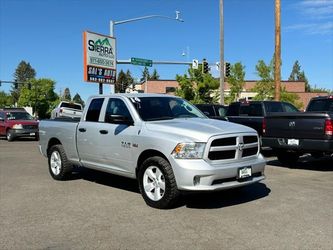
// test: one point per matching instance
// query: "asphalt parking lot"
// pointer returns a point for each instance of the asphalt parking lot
(291, 209)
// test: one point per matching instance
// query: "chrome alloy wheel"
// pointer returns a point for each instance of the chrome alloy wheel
(154, 183)
(55, 162)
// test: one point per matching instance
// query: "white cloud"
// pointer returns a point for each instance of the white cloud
(320, 14)
(317, 9)
(313, 28)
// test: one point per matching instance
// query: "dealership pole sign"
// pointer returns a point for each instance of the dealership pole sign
(99, 58)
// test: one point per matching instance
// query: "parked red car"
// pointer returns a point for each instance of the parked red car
(16, 123)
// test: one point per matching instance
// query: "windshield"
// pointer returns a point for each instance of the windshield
(164, 108)
(19, 116)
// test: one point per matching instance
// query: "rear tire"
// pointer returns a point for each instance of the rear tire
(287, 158)
(157, 183)
(60, 167)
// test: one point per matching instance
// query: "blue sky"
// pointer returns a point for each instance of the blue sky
(48, 34)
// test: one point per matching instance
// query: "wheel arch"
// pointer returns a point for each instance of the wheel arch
(147, 154)
(53, 141)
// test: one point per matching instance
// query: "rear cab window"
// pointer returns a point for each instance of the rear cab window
(233, 109)
(70, 105)
(321, 105)
(272, 107)
(207, 109)
(289, 108)
(94, 110)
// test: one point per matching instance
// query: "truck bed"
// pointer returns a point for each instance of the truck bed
(62, 129)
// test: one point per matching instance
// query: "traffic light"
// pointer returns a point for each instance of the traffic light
(205, 66)
(227, 69)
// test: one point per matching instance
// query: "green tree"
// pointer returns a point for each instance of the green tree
(154, 76)
(77, 99)
(40, 96)
(265, 86)
(23, 73)
(294, 75)
(129, 77)
(6, 100)
(290, 97)
(67, 95)
(121, 81)
(298, 75)
(236, 80)
(145, 75)
(197, 87)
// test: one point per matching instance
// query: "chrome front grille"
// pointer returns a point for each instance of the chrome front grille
(233, 147)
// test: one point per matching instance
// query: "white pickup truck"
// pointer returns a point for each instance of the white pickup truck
(163, 141)
(67, 109)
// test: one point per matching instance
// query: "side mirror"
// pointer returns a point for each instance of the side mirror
(120, 119)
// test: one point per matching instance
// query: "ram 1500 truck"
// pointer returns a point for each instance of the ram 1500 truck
(252, 113)
(294, 134)
(163, 141)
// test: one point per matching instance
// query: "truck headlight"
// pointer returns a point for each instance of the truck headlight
(17, 126)
(192, 150)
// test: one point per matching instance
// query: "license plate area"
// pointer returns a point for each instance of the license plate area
(32, 134)
(244, 172)
(293, 142)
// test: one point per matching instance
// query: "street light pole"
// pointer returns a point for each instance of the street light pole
(113, 23)
(221, 54)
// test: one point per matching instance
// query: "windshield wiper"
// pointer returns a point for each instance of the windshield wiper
(160, 118)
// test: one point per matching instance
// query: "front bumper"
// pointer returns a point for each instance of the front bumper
(24, 132)
(215, 177)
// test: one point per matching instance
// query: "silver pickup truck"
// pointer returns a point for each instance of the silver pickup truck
(163, 141)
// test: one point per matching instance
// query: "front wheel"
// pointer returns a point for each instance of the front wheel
(60, 167)
(9, 135)
(157, 183)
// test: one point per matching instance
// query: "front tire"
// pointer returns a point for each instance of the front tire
(157, 183)
(9, 135)
(60, 167)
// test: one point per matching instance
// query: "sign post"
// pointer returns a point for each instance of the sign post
(99, 59)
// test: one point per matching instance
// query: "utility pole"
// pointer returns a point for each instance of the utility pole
(221, 54)
(277, 68)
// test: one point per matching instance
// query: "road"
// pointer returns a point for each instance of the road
(291, 209)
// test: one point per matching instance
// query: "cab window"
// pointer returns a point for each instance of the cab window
(94, 110)
(116, 107)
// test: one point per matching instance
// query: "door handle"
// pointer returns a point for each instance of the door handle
(82, 130)
(103, 132)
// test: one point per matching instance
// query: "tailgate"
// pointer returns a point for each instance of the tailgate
(297, 126)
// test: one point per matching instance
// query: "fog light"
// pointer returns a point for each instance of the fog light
(196, 180)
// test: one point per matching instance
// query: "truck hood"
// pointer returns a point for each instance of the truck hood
(23, 122)
(197, 129)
